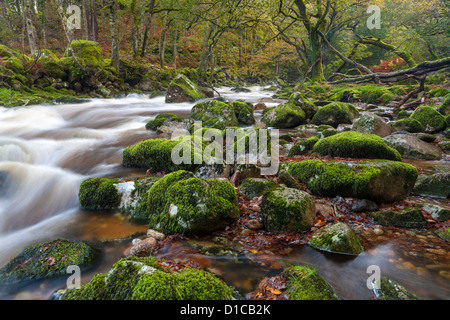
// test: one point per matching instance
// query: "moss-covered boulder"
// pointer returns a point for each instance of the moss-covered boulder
(335, 113)
(407, 124)
(90, 52)
(444, 234)
(159, 120)
(256, 187)
(146, 278)
(336, 237)
(284, 116)
(444, 107)
(412, 147)
(387, 289)
(439, 213)
(408, 218)
(183, 203)
(371, 123)
(380, 181)
(356, 145)
(303, 283)
(287, 210)
(99, 194)
(430, 118)
(244, 112)
(302, 147)
(300, 100)
(181, 89)
(215, 114)
(436, 185)
(47, 260)
(156, 155)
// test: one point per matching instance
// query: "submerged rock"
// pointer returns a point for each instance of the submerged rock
(387, 289)
(287, 210)
(408, 218)
(336, 237)
(356, 145)
(381, 181)
(412, 147)
(145, 278)
(47, 260)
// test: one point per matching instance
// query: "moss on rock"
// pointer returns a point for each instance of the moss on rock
(336, 237)
(287, 210)
(159, 120)
(181, 89)
(335, 113)
(47, 260)
(407, 124)
(182, 203)
(380, 181)
(99, 194)
(431, 120)
(284, 116)
(303, 146)
(215, 114)
(244, 112)
(256, 187)
(408, 218)
(387, 289)
(303, 283)
(356, 145)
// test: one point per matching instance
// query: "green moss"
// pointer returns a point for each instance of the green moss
(431, 120)
(244, 112)
(303, 146)
(444, 234)
(215, 114)
(156, 155)
(284, 116)
(52, 69)
(439, 92)
(356, 145)
(304, 103)
(383, 181)
(303, 283)
(47, 260)
(334, 114)
(408, 124)
(182, 203)
(255, 187)
(89, 51)
(159, 120)
(99, 194)
(368, 94)
(387, 289)
(15, 64)
(336, 237)
(287, 210)
(444, 107)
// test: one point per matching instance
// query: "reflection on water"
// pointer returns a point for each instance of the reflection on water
(47, 151)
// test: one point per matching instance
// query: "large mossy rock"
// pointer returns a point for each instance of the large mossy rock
(181, 89)
(287, 210)
(431, 120)
(303, 146)
(256, 187)
(412, 147)
(284, 116)
(372, 123)
(407, 124)
(335, 113)
(407, 218)
(387, 289)
(353, 144)
(145, 278)
(444, 107)
(183, 203)
(156, 155)
(336, 237)
(159, 120)
(215, 114)
(89, 51)
(378, 180)
(436, 185)
(300, 100)
(99, 194)
(303, 283)
(47, 260)
(244, 112)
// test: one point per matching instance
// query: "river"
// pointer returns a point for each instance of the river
(46, 151)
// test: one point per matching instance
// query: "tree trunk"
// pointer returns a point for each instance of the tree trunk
(162, 42)
(203, 64)
(5, 15)
(84, 20)
(31, 31)
(148, 24)
(115, 59)
(94, 20)
(134, 29)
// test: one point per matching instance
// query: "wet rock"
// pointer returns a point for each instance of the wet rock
(244, 112)
(427, 137)
(409, 218)
(286, 179)
(336, 237)
(335, 113)
(379, 181)
(181, 89)
(371, 123)
(249, 170)
(47, 260)
(444, 234)
(387, 289)
(436, 185)
(254, 224)
(412, 147)
(302, 147)
(236, 179)
(437, 212)
(444, 145)
(284, 116)
(300, 100)
(142, 248)
(287, 210)
(155, 234)
(259, 106)
(215, 114)
(255, 187)
(364, 206)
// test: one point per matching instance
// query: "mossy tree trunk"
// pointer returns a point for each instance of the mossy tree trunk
(115, 59)
(31, 30)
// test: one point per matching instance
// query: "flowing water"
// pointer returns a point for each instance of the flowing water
(47, 151)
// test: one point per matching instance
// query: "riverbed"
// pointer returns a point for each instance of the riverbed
(47, 151)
